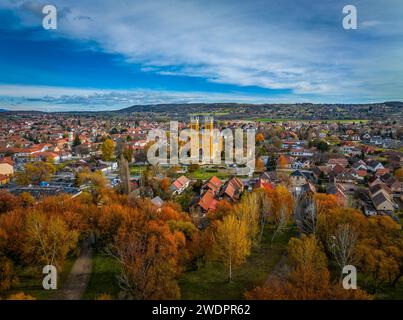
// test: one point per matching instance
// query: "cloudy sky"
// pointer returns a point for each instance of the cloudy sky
(113, 54)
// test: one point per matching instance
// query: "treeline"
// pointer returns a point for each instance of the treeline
(153, 245)
(333, 237)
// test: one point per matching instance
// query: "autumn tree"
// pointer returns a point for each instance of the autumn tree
(223, 209)
(108, 150)
(8, 201)
(97, 182)
(165, 184)
(20, 296)
(231, 242)
(259, 138)
(147, 252)
(247, 210)
(304, 277)
(380, 252)
(259, 165)
(7, 275)
(35, 172)
(399, 174)
(26, 199)
(48, 239)
(282, 209)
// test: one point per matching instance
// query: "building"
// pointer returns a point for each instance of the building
(180, 185)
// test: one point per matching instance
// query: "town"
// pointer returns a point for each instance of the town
(302, 165)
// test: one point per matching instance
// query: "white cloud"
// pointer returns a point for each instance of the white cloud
(270, 44)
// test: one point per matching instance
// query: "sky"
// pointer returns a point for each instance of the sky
(107, 55)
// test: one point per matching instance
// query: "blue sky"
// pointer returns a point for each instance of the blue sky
(113, 54)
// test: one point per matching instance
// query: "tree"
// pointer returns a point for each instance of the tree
(147, 252)
(35, 172)
(76, 141)
(342, 245)
(306, 215)
(307, 276)
(282, 162)
(124, 173)
(322, 146)
(259, 165)
(108, 150)
(7, 275)
(8, 201)
(20, 296)
(26, 200)
(231, 242)
(193, 167)
(259, 138)
(282, 209)
(165, 184)
(399, 174)
(379, 252)
(48, 239)
(97, 181)
(247, 210)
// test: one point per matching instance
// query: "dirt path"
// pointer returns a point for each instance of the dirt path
(278, 270)
(77, 281)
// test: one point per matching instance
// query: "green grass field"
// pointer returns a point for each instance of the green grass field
(30, 281)
(210, 282)
(136, 170)
(103, 278)
(204, 174)
(346, 121)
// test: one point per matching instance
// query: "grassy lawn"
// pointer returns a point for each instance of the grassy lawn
(210, 282)
(389, 293)
(136, 170)
(103, 278)
(30, 281)
(204, 174)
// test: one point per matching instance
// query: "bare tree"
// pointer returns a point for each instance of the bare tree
(342, 245)
(306, 215)
(264, 211)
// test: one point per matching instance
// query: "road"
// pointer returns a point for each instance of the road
(76, 283)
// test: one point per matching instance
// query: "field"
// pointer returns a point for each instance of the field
(136, 170)
(103, 278)
(30, 281)
(206, 173)
(345, 121)
(210, 282)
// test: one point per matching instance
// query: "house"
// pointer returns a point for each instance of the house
(264, 185)
(179, 185)
(382, 203)
(214, 184)
(298, 178)
(4, 179)
(157, 202)
(232, 189)
(360, 165)
(6, 166)
(300, 152)
(343, 162)
(207, 202)
(382, 198)
(339, 192)
(374, 165)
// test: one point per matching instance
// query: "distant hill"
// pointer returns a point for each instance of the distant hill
(398, 104)
(3, 110)
(171, 106)
(268, 112)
